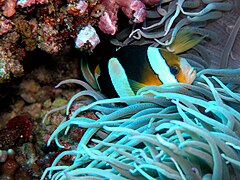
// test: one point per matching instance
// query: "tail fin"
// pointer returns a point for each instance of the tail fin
(87, 74)
(184, 41)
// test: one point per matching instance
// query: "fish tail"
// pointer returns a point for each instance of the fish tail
(184, 41)
(87, 74)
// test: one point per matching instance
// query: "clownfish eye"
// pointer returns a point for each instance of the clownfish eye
(174, 69)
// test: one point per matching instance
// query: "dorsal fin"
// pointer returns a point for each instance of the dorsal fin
(184, 41)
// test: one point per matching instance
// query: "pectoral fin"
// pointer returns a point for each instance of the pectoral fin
(136, 85)
(119, 78)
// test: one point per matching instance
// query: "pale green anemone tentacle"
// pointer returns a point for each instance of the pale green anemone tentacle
(177, 12)
(122, 112)
(229, 44)
(101, 173)
(217, 173)
(213, 36)
(212, 6)
(220, 72)
(169, 13)
(236, 162)
(75, 81)
(191, 4)
(211, 1)
(176, 29)
(90, 93)
(208, 16)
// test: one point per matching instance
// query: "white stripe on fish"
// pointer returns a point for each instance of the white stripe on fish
(159, 66)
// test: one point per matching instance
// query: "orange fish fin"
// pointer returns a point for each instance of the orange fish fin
(135, 85)
(184, 41)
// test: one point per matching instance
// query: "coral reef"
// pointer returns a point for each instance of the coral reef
(133, 9)
(32, 97)
(178, 131)
(10, 166)
(11, 56)
(87, 38)
(50, 25)
(6, 25)
(23, 124)
(18, 131)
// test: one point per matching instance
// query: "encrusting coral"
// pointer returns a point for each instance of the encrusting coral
(51, 25)
(178, 131)
(17, 132)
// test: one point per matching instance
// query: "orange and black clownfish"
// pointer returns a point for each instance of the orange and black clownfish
(133, 67)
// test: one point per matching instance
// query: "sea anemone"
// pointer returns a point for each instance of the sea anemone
(164, 21)
(176, 131)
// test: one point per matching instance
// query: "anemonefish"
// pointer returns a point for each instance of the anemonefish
(133, 67)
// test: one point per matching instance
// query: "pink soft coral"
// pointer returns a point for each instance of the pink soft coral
(9, 8)
(133, 9)
(28, 3)
(5, 25)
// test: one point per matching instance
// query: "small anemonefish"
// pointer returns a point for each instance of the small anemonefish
(134, 67)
